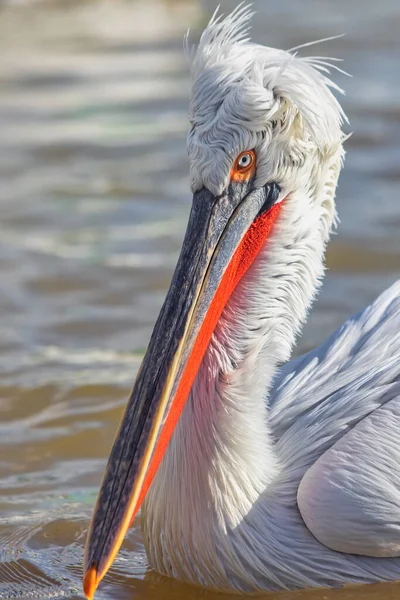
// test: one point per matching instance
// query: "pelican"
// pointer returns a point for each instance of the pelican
(255, 473)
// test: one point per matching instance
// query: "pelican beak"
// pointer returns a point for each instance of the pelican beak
(223, 237)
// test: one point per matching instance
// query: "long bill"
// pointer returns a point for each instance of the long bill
(223, 237)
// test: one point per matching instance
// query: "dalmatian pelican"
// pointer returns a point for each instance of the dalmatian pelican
(255, 473)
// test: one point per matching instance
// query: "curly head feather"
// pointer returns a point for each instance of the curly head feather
(245, 95)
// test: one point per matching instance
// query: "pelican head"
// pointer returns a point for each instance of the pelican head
(265, 134)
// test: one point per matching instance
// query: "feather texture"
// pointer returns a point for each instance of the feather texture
(249, 96)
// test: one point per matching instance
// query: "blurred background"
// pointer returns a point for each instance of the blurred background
(94, 198)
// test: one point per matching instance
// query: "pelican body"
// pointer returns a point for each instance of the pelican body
(252, 475)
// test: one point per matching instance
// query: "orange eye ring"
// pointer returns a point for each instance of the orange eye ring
(244, 166)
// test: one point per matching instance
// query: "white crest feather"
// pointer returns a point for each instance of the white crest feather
(241, 90)
(221, 32)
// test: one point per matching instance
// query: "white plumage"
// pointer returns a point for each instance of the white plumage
(280, 477)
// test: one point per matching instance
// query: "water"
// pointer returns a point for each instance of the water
(94, 199)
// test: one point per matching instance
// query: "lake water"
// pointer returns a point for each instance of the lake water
(94, 198)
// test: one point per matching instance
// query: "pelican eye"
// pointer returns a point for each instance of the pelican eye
(243, 167)
(245, 161)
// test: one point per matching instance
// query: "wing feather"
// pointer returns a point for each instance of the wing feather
(335, 417)
(350, 497)
(326, 392)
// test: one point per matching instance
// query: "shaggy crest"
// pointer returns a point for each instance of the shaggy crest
(245, 95)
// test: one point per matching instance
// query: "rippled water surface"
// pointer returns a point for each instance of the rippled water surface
(94, 198)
